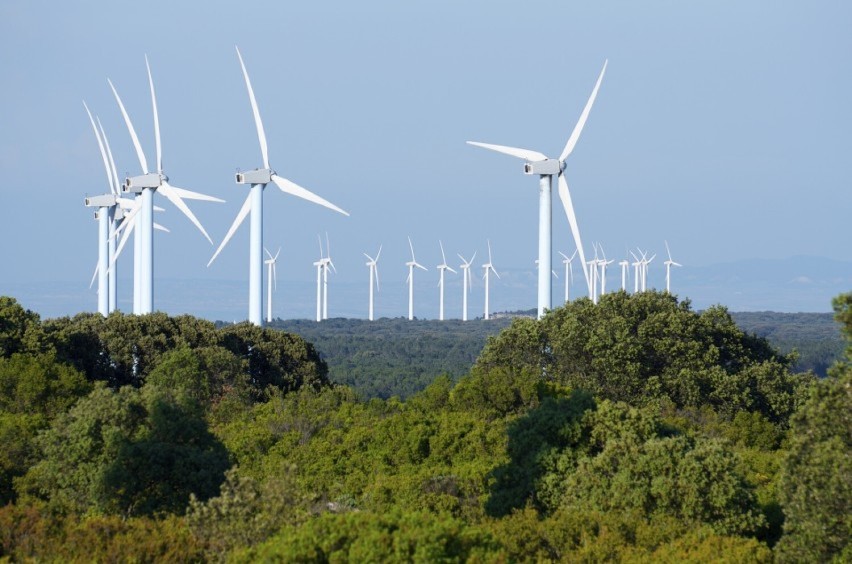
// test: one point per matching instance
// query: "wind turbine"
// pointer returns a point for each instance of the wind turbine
(105, 215)
(637, 271)
(411, 264)
(271, 279)
(441, 268)
(569, 273)
(327, 262)
(645, 263)
(669, 264)
(538, 163)
(374, 274)
(467, 283)
(625, 266)
(146, 185)
(488, 267)
(259, 178)
(603, 264)
(593, 266)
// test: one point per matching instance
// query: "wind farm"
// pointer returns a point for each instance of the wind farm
(661, 269)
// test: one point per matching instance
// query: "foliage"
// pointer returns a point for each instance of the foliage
(125, 453)
(414, 536)
(647, 347)
(816, 479)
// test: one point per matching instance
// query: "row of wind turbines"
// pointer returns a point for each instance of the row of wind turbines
(128, 208)
(597, 266)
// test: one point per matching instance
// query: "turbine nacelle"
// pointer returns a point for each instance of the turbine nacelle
(138, 183)
(102, 201)
(256, 176)
(545, 167)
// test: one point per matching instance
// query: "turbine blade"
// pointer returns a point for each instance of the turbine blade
(129, 219)
(94, 275)
(575, 135)
(136, 145)
(131, 225)
(495, 272)
(278, 252)
(565, 195)
(161, 228)
(100, 146)
(443, 257)
(450, 269)
(190, 195)
(166, 190)
(274, 277)
(525, 154)
(489, 251)
(289, 187)
(116, 182)
(261, 136)
(668, 252)
(237, 221)
(420, 266)
(156, 119)
(379, 253)
(267, 253)
(376, 272)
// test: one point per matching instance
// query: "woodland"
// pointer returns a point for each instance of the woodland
(633, 430)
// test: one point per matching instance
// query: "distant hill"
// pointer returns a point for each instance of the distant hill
(397, 357)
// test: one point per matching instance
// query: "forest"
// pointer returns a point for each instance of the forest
(633, 430)
(359, 353)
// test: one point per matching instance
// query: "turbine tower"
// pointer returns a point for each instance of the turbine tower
(645, 263)
(146, 185)
(569, 273)
(374, 275)
(271, 280)
(538, 163)
(323, 265)
(669, 264)
(467, 283)
(411, 264)
(441, 268)
(488, 267)
(258, 179)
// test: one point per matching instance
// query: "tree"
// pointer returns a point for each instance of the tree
(816, 478)
(126, 453)
(647, 347)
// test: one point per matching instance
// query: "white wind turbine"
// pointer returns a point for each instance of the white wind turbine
(105, 214)
(593, 270)
(323, 265)
(441, 268)
(258, 179)
(146, 185)
(467, 283)
(374, 275)
(637, 271)
(625, 266)
(569, 273)
(538, 163)
(411, 264)
(603, 264)
(669, 264)
(271, 280)
(488, 267)
(645, 263)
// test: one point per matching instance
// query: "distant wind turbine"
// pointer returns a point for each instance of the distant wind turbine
(467, 283)
(538, 163)
(441, 268)
(669, 264)
(625, 266)
(603, 264)
(271, 280)
(374, 275)
(259, 178)
(569, 273)
(411, 264)
(488, 267)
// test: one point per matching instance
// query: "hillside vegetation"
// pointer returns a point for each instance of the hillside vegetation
(397, 357)
(635, 430)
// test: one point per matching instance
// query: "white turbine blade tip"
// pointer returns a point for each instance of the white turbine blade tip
(525, 154)
(290, 187)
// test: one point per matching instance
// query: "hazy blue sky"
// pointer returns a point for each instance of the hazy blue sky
(721, 126)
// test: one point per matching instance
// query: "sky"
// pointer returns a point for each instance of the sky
(722, 127)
